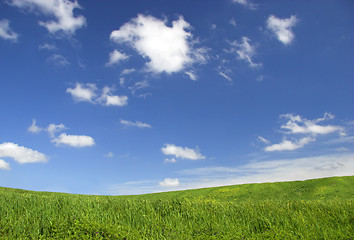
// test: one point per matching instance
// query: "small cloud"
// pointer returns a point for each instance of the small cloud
(263, 140)
(6, 32)
(109, 155)
(245, 51)
(61, 10)
(135, 124)
(128, 71)
(47, 46)
(228, 78)
(21, 154)
(246, 3)
(191, 75)
(282, 28)
(213, 26)
(34, 128)
(112, 100)
(139, 85)
(170, 160)
(58, 60)
(74, 140)
(180, 152)
(116, 57)
(233, 22)
(53, 128)
(83, 92)
(4, 165)
(170, 182)
(287, 145)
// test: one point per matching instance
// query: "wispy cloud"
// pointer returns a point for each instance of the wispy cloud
(135, 124)
(168, 49)
(58, 60)
(245, 51)
(62, 11)
(282, 28)
(182, 152)
(246, 3)
(6, 32)
(47, 46)
(4, 165)
(303, 131)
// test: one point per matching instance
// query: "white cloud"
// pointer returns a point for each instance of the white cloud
(233, 22)
(282, 28)
(74, 140)
(61, 10)
(34, 128)
(112, 100)
(6, 32)
(83, 92)
(116, 57)
(304, 131)
(245, 51)
(168, 49)
(4, 165)
(246, 3)
(191, 75)
(109, 155)
(139, 85)
(298, 124)
(88, 93)
(180, 152)
(135, 124)
(287, 145)
(170, 160)
(170, 182)
(128, 71)
(263, 140)
(58, 60)
(47, 46)
(53, 128)
(21, 154)
(224, 75)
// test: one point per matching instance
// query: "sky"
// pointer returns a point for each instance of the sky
(130, 97)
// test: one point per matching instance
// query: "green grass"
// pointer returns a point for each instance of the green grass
(313, 209)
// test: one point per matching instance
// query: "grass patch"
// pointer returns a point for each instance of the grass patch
(314, 209)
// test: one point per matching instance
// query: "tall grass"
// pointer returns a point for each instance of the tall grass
(214, 213)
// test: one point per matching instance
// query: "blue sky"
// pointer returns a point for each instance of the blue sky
(111, 97)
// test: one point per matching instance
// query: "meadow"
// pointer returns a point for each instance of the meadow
(312, 209)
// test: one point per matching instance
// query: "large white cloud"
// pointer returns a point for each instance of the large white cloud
(180, 152)
(61, 10)
(6, 32)
(74, 140)
(168, 49)
(89, 93)
(21, 154)
(282, 28)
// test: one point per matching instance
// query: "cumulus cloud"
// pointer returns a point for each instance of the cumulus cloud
(303, 131)
(61, 10)
(115, 57)
(6, 32)
(21, 154)
(180, 152)
(282, 28)
(74, 140)
(135, 124)
(54, 128)
(4, 165)
(167, 49)
(34, 128)
(245, 51)
(246, 3)
(88, 93)
(170, 182)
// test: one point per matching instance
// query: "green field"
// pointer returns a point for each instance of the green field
(313, 209)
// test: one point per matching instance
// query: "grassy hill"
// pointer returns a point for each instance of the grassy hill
(313, 209)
